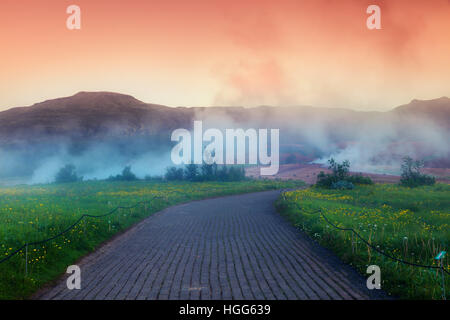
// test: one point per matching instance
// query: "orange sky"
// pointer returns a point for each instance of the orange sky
(211, 52)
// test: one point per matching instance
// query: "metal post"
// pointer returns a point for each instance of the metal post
(440, 259)
(26, 259)
(353, 249)
(443, 279)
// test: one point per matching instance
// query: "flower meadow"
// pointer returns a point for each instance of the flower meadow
(34, 213)
(412, 224)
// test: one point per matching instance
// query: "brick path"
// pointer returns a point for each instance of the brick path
(233, 247)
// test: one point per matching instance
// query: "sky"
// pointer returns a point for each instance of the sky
(233, 52)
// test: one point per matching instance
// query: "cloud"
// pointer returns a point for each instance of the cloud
(255, 83)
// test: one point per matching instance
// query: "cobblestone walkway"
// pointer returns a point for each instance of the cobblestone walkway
(234, 247)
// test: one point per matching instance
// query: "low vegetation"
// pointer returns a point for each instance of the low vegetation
(408, 223)
(206, 172)
(34, 213)
(191, 172)
(340, 177)
(411, 175)
(67, 174)
(126, 175)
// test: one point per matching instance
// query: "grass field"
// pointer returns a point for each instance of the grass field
(34, 213)
(410, 224)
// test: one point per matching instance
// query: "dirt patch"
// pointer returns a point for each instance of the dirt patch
(309, 172)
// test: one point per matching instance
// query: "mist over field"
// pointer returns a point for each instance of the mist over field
(96, 161)
(100, 161)
(380, 149)
(101, 133)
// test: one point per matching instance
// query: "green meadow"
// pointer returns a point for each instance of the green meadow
(412, 224)
(33, 213)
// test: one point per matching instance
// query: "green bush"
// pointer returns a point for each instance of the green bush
(340, 170)
(174, 173)
(206, 172)
(359, 179)
(153, 178)
(325, 180)
(411, 175)
(340, 176)
(67, 174)
(342, 185)
(126, 175)
(233, 173)
(191, 172)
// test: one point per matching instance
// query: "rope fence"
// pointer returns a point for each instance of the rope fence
(372, 246)
(440, 267)
(325, 218)
(25, 246)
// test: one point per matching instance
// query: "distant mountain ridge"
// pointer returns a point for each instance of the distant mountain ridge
(106, 129)
(87, 114)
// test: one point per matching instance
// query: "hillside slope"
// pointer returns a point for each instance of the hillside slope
(115, 126)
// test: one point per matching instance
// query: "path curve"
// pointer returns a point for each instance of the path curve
(234, 247)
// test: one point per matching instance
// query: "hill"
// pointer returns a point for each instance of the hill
(116, 129)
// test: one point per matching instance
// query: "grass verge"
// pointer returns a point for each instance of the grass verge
(34, 213)
(410, 224)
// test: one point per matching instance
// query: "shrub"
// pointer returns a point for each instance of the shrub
(67, 174)
(359, 179)
(340, 170)
(191, 172)
(153, 178)
(339, 173)
(235, 174)
(411, 175)
(126, 175)
(342, 185)
(340, 177)
(206, 172)
(174, 173)
(325, 179)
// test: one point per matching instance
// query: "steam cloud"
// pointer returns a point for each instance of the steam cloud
(99, 161)
(372, 142)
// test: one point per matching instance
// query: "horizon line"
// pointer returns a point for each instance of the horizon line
(223, 106)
